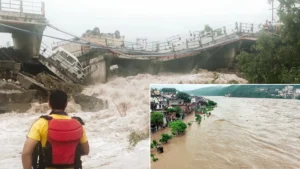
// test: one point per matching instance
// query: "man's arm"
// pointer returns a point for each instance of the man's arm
(33, 137)
(27, 152)
(84, 143)
(85, 148)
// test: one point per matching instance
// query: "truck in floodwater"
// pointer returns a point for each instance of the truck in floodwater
(68, 62)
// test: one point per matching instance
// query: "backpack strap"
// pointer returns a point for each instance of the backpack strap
(78, 119)
(46, 117)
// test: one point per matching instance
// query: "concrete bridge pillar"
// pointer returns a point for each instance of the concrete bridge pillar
(229, 55)
(28, 43)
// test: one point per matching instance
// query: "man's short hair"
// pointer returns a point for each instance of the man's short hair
(58, 99)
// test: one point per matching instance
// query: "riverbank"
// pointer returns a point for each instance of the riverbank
(241, 133)
(189, 120)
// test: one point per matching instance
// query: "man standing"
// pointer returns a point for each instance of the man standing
(57, 140)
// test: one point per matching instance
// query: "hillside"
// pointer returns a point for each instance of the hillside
(258, 91)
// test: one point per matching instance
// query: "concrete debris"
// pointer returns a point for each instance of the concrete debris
(17, 96)
(9, 86)
(29, 83)
(51, 82)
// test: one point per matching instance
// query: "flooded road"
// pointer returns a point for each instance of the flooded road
(241, 134)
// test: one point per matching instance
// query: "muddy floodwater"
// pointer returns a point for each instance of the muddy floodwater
(242, 133)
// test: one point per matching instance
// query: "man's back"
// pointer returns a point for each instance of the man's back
(57, 140)
(39, 130)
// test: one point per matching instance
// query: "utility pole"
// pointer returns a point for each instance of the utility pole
(272, 3)
(273, 11)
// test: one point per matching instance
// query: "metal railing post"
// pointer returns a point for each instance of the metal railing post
(200, 41)
(21, 6)
(173, 47)
(241, 25)
(225, 31)
(43, 8)
(187, 44)
(157, 47)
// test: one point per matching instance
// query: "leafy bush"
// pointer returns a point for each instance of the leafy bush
(189, 123)
(176, 109)
(177, 127)
(211, 103)
(154, 144)
(154, 159)
(165, 138)
(198, 118)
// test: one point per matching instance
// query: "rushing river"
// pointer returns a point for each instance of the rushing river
(107, 131)
(241, 134)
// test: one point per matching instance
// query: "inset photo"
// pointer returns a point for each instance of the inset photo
(225, 126)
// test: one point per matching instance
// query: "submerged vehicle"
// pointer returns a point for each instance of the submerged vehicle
(63, 59)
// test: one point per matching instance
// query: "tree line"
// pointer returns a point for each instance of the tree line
(275, 58)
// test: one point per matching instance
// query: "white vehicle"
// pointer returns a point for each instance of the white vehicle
(67, 61)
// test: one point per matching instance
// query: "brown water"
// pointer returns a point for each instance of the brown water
(240, 134)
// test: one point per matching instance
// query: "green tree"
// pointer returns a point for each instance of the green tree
(178, 127)
(275, 58)
(157, 118)
(165, 138)
(184, 96)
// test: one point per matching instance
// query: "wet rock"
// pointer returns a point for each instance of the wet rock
(15, 107)
(9, 81)
(9, 86)
(17, 82)
(90, 103)
(17, 96)
(3, 109)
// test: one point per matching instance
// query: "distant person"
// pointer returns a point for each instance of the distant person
(55, 141)
(266, 26)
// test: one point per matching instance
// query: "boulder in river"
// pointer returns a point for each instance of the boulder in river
(90, 103)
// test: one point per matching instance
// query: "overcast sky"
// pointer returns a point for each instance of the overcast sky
(185, 87)
(153, 19)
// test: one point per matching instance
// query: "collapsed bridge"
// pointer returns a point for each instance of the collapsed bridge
(94, 58)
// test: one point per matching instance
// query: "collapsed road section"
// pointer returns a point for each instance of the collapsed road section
(24, 82)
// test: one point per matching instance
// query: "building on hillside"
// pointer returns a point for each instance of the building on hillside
(202, 103)
(158, 102)
(175, 102)
(186, 108)
(195, 99)
(169, 94)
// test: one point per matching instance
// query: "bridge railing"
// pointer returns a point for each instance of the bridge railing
(23, 6)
